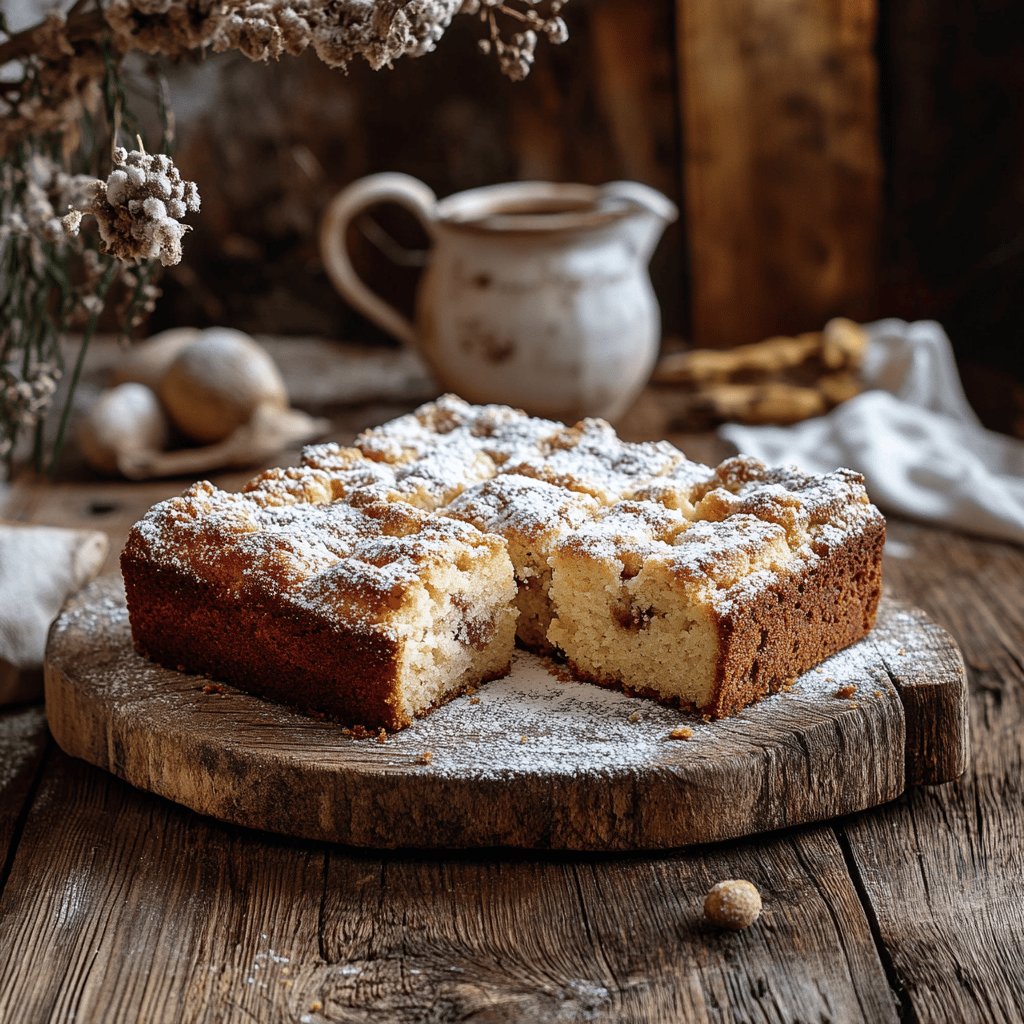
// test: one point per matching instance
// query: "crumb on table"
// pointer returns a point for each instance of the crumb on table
(683, 732)
(734, 904)
(846, 692)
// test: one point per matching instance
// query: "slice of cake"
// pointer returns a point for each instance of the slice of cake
(370, 611)
(777, 572)
(532, 516)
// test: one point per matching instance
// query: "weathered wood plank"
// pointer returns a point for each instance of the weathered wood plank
(781, 167)
(23, 739)
(943, 869)
(122, 907)
(608, 940)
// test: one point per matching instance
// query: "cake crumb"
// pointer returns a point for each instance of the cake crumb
(734, 904)
(878, 693)
(316, 1006)
(214, 688)
(474, 700)
(635, 717)
(522, 739)
(901, 652)
(382, 736)
(682, 733)
(846, 692)
(426, 757)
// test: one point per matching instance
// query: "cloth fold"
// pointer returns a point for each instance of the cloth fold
(40, 567)
(913, 436)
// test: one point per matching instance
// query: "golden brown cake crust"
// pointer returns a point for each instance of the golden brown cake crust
(262, 646)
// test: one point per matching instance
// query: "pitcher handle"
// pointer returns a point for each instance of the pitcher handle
(350, 202)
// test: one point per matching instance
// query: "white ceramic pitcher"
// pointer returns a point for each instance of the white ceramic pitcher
(535, 294)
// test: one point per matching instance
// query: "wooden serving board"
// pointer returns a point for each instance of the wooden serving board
(532, 761)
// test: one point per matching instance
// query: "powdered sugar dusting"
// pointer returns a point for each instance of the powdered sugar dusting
(535, 721)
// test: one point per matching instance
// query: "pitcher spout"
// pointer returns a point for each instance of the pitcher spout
(653, 213)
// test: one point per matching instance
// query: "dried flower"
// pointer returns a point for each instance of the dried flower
(140, 206)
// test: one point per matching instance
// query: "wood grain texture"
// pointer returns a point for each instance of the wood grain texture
(23, 739)
(143, 911)
(781, 166)
(942, 871)
(918, 655)
(532, 762)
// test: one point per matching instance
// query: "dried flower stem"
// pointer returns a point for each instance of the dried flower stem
(87, 335)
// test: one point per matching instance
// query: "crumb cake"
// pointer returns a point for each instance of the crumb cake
(370, 611)
(376, 581)
(532, 516)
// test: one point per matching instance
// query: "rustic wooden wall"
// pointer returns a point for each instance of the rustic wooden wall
(781, 168)
(953, 135)
(857, 157)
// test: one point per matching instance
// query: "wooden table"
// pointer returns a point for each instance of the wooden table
(119, 906)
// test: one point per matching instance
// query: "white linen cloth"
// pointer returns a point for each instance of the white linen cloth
(40, 567)
(912, 435)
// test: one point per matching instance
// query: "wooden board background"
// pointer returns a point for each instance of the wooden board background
(530, 761)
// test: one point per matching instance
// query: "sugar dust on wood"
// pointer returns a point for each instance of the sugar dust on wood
(535, 759)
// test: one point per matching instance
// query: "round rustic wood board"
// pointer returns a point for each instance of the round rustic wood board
(532, 761)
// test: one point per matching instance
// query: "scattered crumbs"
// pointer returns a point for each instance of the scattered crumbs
(846, 692)
(901, 652)
(316, 1006)
(382, 736)
(474, 700)
(854, 703)
(346, 731)
(682, 733)
(635, 717)
(288, 982)
(820, 670)
(214, 688)
(522, 739)
(426, 757)
(830, 679)
(878, 693)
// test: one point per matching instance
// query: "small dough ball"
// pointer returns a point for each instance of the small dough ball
(733, 904)
(128, 418)
(148, 361)
(217, 383)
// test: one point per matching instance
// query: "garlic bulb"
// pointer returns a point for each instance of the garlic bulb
(218, 382)
(124, 421)
(148, 361)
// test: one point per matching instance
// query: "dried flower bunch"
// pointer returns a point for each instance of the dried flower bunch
(140, 206)
(64, 108)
